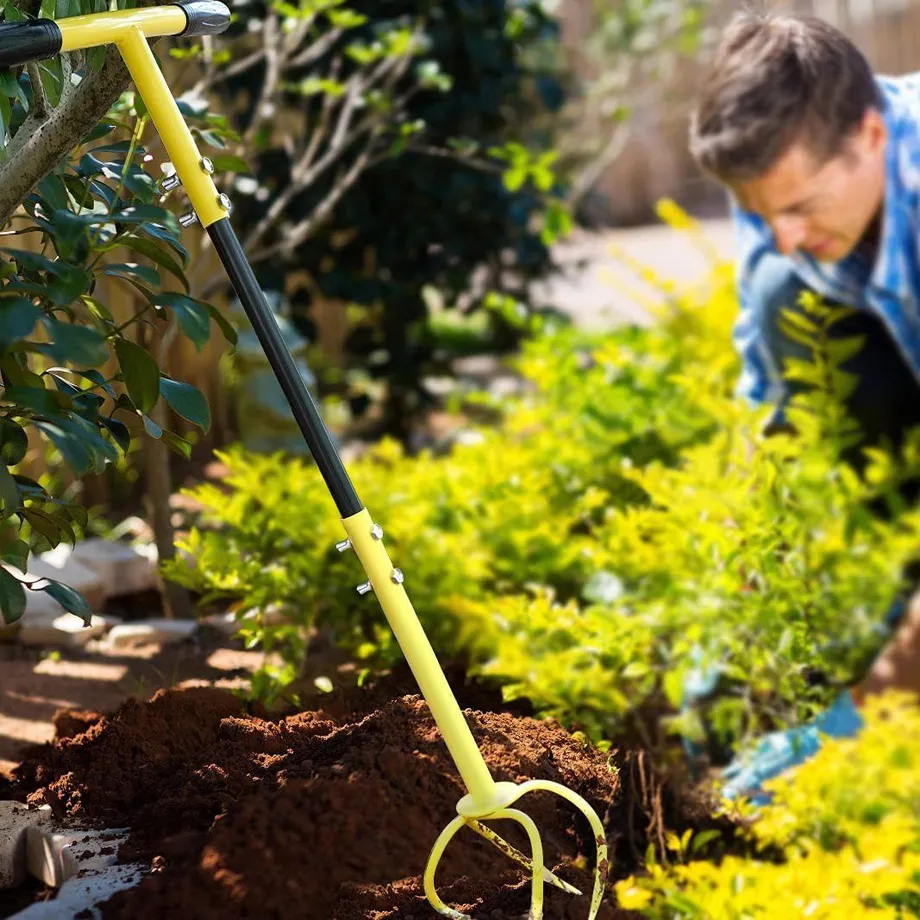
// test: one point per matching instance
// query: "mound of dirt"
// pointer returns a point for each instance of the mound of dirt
(316, 815)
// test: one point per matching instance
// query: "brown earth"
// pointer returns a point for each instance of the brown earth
(328, 814)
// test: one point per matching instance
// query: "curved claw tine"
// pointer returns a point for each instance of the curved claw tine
(602, 869)
(515, 854)
(437, 851)
(536, 860)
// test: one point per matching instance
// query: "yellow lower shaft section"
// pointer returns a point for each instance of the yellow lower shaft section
(421, 657)
(171, 126)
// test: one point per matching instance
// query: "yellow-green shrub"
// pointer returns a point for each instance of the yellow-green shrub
(626, 517)
(840, 839)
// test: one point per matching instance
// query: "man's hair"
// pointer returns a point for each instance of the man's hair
(775, 80)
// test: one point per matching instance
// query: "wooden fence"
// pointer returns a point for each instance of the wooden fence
(655, 162)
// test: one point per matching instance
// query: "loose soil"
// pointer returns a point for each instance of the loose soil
(327, 814)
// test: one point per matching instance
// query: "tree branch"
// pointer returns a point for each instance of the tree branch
(39, 102)
(39, 145)
(300, 231)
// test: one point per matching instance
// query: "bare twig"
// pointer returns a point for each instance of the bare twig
(300, 231)
(39, 102)
(274, 59)
(314, 52)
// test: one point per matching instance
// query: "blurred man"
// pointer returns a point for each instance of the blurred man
(821, 160)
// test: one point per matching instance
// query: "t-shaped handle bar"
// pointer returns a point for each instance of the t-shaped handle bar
(36, 39)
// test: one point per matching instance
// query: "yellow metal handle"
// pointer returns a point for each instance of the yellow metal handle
(94, 29)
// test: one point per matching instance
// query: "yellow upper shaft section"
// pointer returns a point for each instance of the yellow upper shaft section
(88, 31)
(171, 126)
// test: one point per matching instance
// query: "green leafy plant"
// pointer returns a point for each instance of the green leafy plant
(76, 372)
(625, 524)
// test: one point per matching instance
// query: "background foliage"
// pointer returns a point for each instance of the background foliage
(626, 524)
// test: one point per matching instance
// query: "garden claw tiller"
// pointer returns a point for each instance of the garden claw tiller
(486, 799)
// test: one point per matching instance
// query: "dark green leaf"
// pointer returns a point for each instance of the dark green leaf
(54, 191)
(52, 74)
(186, 401)
(119, 147)
(17, 555)
(169, 237)
(159, 255)
(12, 597)
(100, 381)
(142, 376)
(73, 344)
(14, 442)
(95, 57)
(77, 455)
(44, 525)
(98, 309)
(6, 114)
(10, 499)
(65, 289)
(39, 399)
(17, 320)
(79, 514)
(144, 272)
(212, 138)
(225, 162)
(36, 262)
(144, 213)
(224, 324)
(29, 488)
(72, 601)
(103, 128)
(193, 317)
(152, 428)
(15, 375)
(119, 432)
(179, 445)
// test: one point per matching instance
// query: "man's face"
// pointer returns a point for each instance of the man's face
(822, 208)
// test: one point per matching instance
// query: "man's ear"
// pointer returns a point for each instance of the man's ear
(873, 130)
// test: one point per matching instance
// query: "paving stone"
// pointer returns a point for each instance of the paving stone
(64, 630)
(158, 631)
(123, 568)
(15, 820)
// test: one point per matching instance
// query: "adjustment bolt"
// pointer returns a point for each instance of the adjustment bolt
(397, 577)
(186, 220)
(365, 588)
(170, 182)
(377, 532)
(343, 545)
(224, 201)
(207, 166)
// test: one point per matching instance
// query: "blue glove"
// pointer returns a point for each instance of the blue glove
(778, 752)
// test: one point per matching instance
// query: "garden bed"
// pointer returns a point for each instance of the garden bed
(329, 813)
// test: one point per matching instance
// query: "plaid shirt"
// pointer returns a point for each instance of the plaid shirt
(890, 288)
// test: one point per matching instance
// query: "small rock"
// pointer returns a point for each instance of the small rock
(50, 857)
(15, 820)
(159, 631)
(123, 568)
(63, 629)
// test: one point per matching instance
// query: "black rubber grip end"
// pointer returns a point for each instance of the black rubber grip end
(205, 17)
(28, 40)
